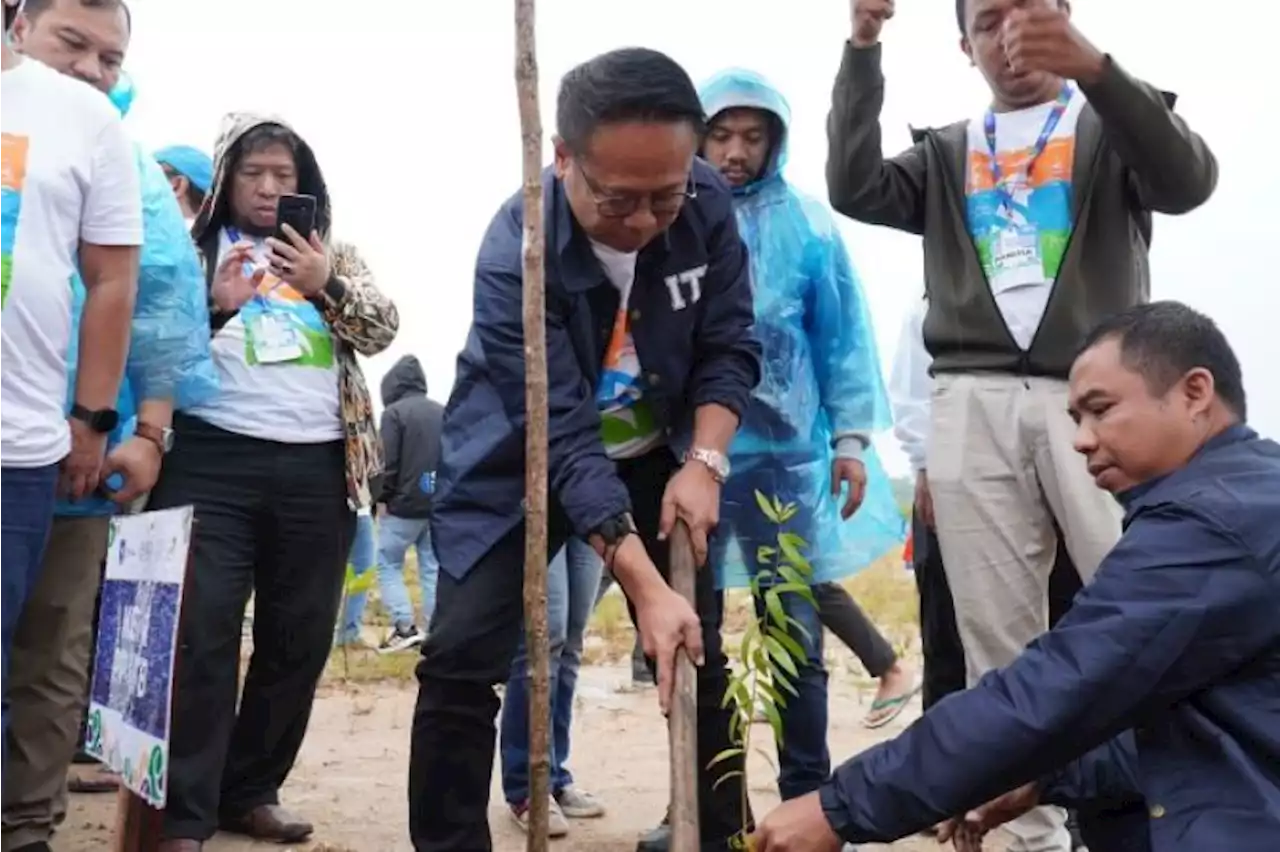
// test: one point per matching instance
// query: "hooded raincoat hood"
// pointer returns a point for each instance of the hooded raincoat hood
(821, 378)
(738, 88)
(404, 379)
(215, 213)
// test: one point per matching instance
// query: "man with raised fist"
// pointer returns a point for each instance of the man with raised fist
(1036, 217)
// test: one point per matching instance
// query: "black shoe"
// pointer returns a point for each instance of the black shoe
(38, 846)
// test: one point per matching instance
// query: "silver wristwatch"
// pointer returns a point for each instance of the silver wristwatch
(714, 460)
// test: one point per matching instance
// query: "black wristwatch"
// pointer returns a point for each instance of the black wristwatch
(101, 421)
(615, 529)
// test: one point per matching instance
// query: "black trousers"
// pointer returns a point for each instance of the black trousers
(944, 671)
(271, 519)
(840, 613)
(469, 649)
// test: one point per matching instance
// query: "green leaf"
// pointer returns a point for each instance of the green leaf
(359, 583)
(775, 721)
(773, 603)
(727, 754)
(791, 554)
(727, 776)
(780, 679)
(787, 512)
(765, 554)
(767, 507)
(771, 694)
(785, 639)
(781, 656)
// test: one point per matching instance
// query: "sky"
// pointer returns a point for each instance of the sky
(411, 109)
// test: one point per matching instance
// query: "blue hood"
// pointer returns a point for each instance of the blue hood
(738, 88)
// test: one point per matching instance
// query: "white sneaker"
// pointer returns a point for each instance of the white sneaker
(579, 804)
(402, 639)
(557, 825)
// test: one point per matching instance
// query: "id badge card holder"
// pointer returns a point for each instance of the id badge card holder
(1016, 260)
(272, 338)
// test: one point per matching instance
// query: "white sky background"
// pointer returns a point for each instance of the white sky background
(411, 109)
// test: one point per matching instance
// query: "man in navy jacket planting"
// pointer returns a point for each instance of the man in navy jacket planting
(650, 362)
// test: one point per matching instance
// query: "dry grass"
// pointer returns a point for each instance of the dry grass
(885, 591)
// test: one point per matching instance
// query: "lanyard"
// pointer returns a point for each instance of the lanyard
(1050, 124)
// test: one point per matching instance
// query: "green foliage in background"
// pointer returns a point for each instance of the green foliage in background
(769, 654)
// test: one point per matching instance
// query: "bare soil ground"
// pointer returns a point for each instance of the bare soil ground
(350, 778)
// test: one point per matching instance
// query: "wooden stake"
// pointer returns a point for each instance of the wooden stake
(682, 724)
(535, 353)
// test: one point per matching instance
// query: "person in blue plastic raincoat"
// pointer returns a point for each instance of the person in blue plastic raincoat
(169, 366)
(805, 440)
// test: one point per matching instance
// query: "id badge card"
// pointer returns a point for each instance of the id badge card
(1015, 259)
(272, 338)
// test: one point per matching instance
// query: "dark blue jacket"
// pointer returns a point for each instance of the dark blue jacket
(691, 318)
(1177, 639)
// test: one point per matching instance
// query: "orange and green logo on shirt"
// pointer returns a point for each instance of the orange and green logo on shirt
(13, 176)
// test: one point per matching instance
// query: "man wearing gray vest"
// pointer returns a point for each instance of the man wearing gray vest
(1036, 218)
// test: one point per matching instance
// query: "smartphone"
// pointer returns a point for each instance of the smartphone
(298, 212)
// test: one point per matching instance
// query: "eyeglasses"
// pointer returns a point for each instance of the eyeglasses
(619, 205)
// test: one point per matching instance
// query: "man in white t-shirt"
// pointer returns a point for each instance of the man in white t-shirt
(70, 198)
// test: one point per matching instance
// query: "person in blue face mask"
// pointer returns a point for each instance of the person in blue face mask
(169, 366)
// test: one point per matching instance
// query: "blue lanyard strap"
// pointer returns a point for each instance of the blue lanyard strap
(1050, 124)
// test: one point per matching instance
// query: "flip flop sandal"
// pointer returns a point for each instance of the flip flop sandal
(894, 705)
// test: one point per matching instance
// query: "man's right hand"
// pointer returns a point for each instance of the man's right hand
(868, 17)
(231, 288)
(668, 624)
(666, 621)
(82, 468)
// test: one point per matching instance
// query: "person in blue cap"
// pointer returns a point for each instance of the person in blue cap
(190, 171)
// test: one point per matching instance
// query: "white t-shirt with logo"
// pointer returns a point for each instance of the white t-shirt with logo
(70, 175)
(277, 367)
(1021, 248)
(627, 426)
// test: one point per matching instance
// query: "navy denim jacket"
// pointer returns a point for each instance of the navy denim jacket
(1159, 688)
(691, 319)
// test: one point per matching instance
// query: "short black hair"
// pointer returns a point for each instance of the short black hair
(1163, 341)
(629, 84)
(34, 8)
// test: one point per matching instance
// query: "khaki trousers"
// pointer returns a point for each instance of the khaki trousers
(1005, 480)
(49, 680)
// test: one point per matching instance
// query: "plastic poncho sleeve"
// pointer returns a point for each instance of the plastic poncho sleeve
(169, 355)
(842, 339)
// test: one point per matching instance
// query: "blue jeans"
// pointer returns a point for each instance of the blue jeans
(395, 537)
(803, 759)
(364, 555)
(572, 579)
(26, 514)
